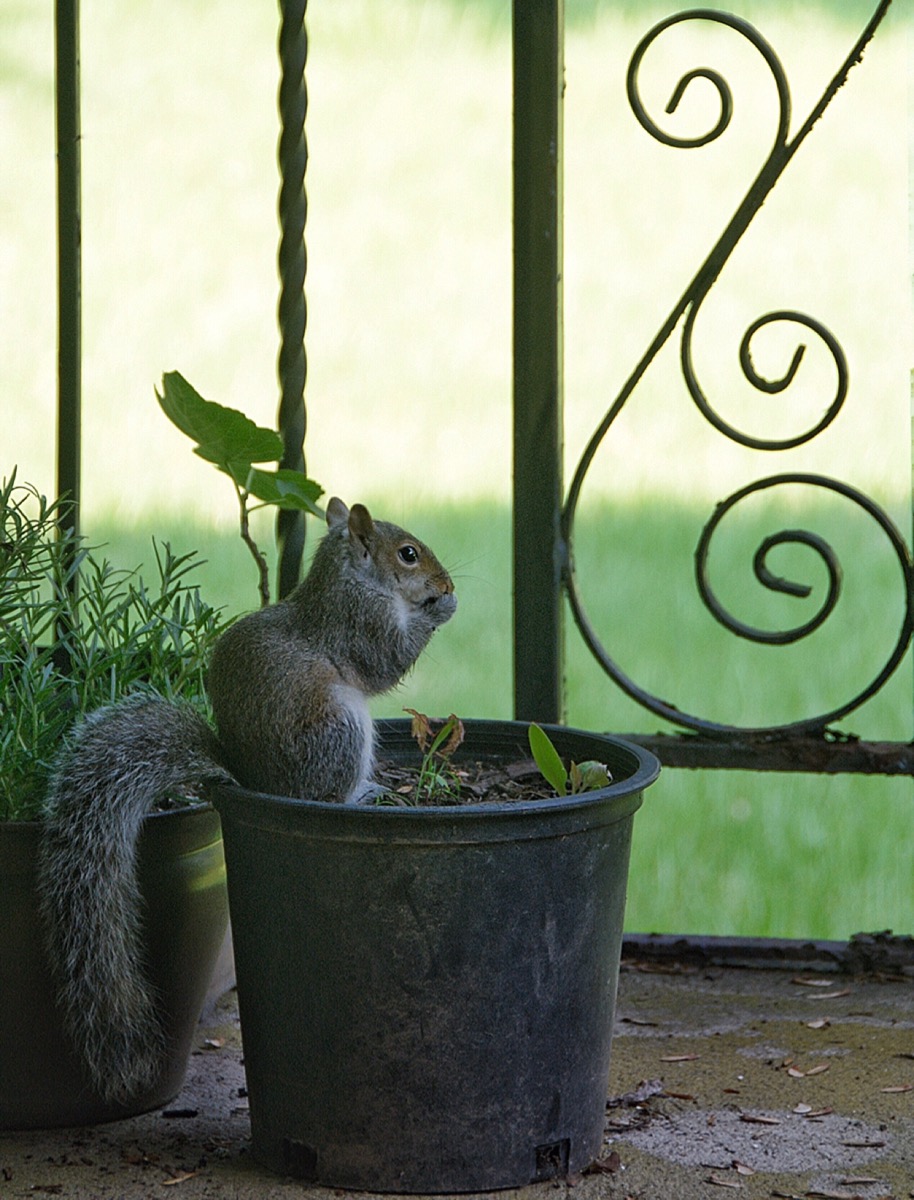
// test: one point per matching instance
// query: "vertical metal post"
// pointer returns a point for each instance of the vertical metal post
(69, 238)
(538, 45)
(293, 211)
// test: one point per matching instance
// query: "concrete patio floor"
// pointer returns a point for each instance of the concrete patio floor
(788, 1080)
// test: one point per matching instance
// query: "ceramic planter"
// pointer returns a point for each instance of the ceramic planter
(427, 995)
(182, 874)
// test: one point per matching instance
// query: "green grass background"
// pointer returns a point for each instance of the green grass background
(409, 338)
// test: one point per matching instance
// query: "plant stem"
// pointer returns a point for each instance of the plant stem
(262, 568)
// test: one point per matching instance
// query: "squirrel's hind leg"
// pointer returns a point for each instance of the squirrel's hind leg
(331, 758)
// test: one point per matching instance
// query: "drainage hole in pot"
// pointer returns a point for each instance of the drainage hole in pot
(300, 1159)
(552, 1160)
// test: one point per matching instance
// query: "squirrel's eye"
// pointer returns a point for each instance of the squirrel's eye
(408, 554)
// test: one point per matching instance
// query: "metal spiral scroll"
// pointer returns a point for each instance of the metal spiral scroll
(688, 307)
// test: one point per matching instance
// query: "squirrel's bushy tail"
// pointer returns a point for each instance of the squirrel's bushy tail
(119, 762)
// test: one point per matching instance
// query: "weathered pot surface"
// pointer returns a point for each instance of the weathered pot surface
(427, 994)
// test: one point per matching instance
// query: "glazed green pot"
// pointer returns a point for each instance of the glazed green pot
(427, 995)
(182, 879)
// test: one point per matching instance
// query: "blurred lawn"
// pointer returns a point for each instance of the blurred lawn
(409, 231)
(409, 360)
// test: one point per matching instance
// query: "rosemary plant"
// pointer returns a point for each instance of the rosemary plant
(76, 633)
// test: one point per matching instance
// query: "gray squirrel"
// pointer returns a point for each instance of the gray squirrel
(289, 687)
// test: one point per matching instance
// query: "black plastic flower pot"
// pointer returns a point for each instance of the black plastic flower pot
(182, 879)
(427, 995)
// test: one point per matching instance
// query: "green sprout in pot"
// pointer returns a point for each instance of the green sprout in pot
(438, 782)
(578, 778)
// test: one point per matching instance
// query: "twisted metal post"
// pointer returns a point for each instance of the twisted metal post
(292, 311)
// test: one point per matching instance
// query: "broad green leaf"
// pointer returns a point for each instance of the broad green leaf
(547, 758)
(286, 489)
(223, 435)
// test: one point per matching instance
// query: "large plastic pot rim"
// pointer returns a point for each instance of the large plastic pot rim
(192, 808)
(550, 816)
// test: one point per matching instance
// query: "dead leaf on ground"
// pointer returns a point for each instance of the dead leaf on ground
(742, 1168)
(610, 1164)
(719, 1181)
(819, 1069)
(900, 1087)
(816, 1195)
(676, 1058)
(750, 1119)
(832, 995)
(181, 1177)
(814, 983)
(821, 1023)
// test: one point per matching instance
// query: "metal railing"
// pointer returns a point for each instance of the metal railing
(545, 514)
(544, 539)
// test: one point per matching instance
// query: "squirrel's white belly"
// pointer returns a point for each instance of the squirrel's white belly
(355, 704)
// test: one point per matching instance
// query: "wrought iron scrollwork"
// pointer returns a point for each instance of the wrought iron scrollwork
(826, 554)
(769, 386)
(686, 312)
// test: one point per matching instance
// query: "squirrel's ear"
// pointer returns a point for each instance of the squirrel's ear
(361, 525)
(337, 513)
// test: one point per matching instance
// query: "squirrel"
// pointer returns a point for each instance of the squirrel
(288, 685)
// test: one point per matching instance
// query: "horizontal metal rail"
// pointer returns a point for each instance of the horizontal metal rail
(829, 754)
(881, 954)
